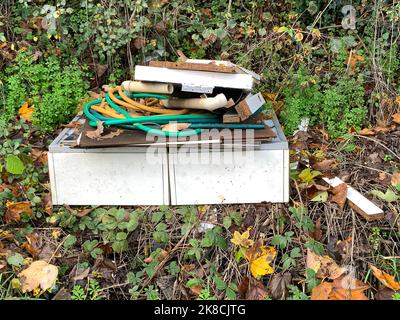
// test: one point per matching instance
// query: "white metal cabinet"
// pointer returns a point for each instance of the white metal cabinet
(130, 176)
(107, 176)
(262, 178)
(260, 175)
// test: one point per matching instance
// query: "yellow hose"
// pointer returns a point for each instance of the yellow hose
(131, 104)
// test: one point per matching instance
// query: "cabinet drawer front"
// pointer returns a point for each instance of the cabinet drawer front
(107, 179)
(261, 177)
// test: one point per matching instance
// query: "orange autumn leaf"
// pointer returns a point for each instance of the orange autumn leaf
(14, 210)
(322, 291)
(395, 181)
(386, 279)
(25, 112)
(366, 132)
(396, 118)
(324, 266)
(339, 194)
(353, 61)
(343, 288)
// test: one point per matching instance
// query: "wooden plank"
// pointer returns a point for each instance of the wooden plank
(231, 117)
(249, 106)
(211, 67)
(358, 202)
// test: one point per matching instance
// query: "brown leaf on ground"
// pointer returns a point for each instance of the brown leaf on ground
(325, 165)
(3, 264)
(344, 247)
(83, 212)
(317, 233)
(14, 189)
(376, 130)
(39, 155)
(339, 194)
(367, 132)
(256, 291)
(4, 252)
(82, 275)
(62, 294)
(384, 294)
(39, 274)
(396, 118)
(278, 285)
(343, 288)
(33, 244)
(243, 287)
(322, 291)
(15, 209)
(348, 288)
(195, 290)
(324, 266)
(47, 204)
(386, 279)
(381, 176)
(45, 253)
(395, 181)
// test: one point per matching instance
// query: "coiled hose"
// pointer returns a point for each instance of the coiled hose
(111, 112)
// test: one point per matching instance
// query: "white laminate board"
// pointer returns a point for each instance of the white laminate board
(107, 179)
(195, 78)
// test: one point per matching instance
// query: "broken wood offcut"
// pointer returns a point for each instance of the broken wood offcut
(358, 202)
(210, 67)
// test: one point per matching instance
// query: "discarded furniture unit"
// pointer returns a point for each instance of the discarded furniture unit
(164, 131)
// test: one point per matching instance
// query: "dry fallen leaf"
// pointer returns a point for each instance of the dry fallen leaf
(317, 233)
(322, 291)
(396, 117)
(15, 209)
(353, 61)
(348, 288)
(325, 165)
(344, 247)
(278, 285)
(175, 126)
(39, 274)
(260, 262)
(196, 290)
(98, 133)
(25, 112)
(339, 194)
(381, 176)
(242, 240)
(395, 181)
(255, 290)
(386, 279)
(367, 132)
(39, 155)
(33, 244)
(324, 266)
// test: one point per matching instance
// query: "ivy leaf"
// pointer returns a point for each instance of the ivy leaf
(321, 197)
(388, 196)
(227, 222)
(15, 260)
(14, 164)
(308, 175)
(69, 241)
